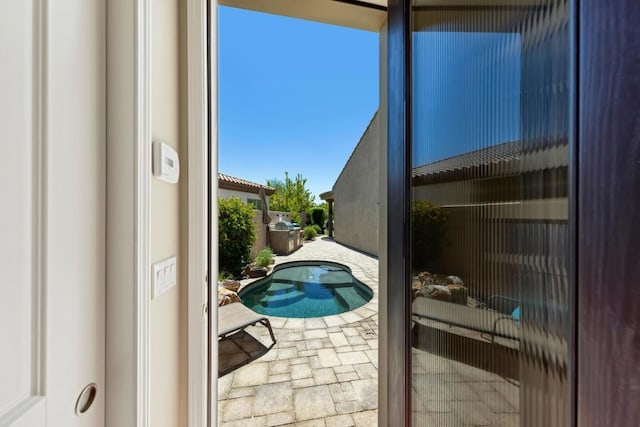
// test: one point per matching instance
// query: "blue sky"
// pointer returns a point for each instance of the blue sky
(293, 96)
(466, 92)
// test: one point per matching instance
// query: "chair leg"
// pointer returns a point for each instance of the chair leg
(266, 323)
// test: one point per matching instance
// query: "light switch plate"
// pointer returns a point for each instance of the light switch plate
(163, 276)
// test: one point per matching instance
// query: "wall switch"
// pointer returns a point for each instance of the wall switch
(163, 276)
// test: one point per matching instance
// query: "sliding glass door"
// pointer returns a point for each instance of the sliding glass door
(490, 219)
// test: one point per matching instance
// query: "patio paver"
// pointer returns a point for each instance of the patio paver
(323, 371)
(306, 378)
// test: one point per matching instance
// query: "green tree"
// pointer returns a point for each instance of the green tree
(236, 233)
(291, 195)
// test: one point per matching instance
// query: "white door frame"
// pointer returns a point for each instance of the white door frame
(198, 118)
(128, 189)
(128, 175)
(142, 167)
(212, 54)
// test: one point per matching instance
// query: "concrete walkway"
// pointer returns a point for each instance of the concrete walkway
(321, 372)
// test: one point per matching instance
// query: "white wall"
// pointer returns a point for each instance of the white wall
(120, 391)
(166, 320)
(224, 193)
(167, 317)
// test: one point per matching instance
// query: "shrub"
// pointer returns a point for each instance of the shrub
(264, 257)
(309, 232)
(317, 228)
(309, 213)
(295, 217)
(237, 232)
(223, 275)
(319, 215)
(428, 232)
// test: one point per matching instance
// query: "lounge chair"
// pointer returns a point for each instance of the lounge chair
(483, 321)
(236, 317)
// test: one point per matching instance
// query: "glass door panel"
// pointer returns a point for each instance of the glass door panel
(490, 214)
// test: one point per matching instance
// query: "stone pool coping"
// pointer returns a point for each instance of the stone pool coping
(361, 313)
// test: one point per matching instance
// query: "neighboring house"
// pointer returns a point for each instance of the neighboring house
(247, 191)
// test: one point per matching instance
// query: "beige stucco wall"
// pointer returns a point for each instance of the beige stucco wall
(261, 234)
(167, 321)
(262, 229)
(357, 194)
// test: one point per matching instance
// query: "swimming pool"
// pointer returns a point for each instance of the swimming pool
(306, 289)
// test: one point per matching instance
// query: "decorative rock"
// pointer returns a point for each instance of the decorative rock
(428, 279)
(250, 271)
(257, 271)
(435, 286)
(455, 280)
(441, 293)
(225, 296)
(232, 285)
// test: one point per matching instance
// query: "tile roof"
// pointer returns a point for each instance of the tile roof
(234, 183)
(508, 158)
(493, 155)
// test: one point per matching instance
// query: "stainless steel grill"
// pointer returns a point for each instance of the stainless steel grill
(283, 225)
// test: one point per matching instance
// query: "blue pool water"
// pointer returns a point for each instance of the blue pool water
(310, 290)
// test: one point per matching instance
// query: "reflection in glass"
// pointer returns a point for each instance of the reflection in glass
(490, 214)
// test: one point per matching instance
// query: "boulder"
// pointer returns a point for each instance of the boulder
(438, 292)
(232, 285)
(251, 271)
(428, 279)
(440, 287)
(258, 272)
(225, 296)
(455, 280)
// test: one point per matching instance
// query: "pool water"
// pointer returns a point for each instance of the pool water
(302, 291)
